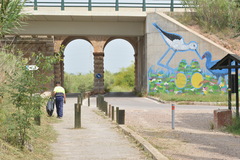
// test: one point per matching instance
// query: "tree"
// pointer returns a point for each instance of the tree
(125, 78)
(23, 89)
(11, 15)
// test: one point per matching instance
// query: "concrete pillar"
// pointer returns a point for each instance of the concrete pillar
(98, 69)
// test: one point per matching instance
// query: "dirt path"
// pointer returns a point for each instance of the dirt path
(192, 139)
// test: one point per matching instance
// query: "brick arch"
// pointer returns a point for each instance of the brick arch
(99, 43)
(67, 40)
(131, 40)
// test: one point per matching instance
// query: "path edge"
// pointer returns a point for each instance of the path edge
(156, 155)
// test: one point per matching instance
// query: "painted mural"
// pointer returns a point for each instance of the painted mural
(187, 77)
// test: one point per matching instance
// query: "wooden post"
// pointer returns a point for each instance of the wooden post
(79, 101)
(77, 116)
(121, 117)
(105, 107)
(112, 113)
(117, 110)
(88, 100)
(229, 85)
(37, 118)
(109, 110)
(236, 87)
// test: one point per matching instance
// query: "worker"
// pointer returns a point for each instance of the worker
(60, 97)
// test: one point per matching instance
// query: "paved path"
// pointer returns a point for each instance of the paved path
(97, 140)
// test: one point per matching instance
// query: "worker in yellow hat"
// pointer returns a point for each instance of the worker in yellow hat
(60, 97)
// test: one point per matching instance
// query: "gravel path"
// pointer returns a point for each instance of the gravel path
(98, 139)
(192, 138)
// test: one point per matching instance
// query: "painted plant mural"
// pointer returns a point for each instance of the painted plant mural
(187, 77)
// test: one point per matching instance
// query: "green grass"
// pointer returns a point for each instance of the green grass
(41, 138)
(235, 127)
(195, 98)
(120, 89)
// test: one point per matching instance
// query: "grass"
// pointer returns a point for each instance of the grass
(39, 145)
(235, 127)
(193, 98)
(121, 89)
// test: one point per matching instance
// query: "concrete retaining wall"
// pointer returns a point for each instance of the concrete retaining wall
(185, 71)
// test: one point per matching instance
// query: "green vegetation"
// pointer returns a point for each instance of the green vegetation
(235, 127)
(20, 104)
(20, 89)
(192, 97)
(37, 148)
(214, 16)
(23, 89)
(78, 83)
(122, 81)
(11, 15)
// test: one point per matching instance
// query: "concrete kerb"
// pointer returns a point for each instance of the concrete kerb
(156, 155)
(186, 102)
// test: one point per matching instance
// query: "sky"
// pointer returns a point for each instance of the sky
(79, 56)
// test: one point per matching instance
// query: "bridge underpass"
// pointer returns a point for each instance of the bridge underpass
(62, 28)
(154, 59)
(48, 42)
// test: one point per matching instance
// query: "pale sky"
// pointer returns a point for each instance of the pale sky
(79, 58)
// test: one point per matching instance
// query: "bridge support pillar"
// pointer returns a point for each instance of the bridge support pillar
(98, 69)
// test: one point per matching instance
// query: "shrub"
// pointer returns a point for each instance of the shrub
(78, 83)
(22, 88)
(214, 15)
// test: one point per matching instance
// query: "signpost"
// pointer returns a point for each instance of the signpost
(32, 67)
(98, 76)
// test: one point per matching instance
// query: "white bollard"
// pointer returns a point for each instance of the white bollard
(173, 116)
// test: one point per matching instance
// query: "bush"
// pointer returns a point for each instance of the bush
(125, 78)
(78, 83)
(235, 127)
(122, 81)
(22, 89)
(214, 15)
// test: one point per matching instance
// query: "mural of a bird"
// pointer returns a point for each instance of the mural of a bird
(176, 43)
(209, 63)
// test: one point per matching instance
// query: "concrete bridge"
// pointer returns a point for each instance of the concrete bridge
(49, 28)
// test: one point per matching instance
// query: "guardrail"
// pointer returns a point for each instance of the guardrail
(144, 4)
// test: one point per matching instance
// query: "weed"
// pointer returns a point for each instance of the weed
(235, 127)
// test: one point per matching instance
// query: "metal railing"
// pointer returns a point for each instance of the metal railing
(144, 4)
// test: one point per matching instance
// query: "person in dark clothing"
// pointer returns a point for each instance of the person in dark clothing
(60, 97)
